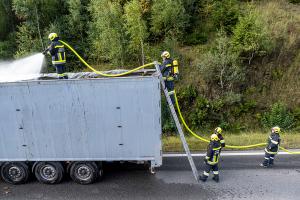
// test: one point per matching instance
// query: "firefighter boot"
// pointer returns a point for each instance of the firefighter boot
(265, 163)
(216, 178)
(203, 178)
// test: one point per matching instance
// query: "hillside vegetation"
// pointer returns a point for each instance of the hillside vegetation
(239, 59)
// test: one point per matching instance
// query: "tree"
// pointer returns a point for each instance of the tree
(225, 14)
(250, 38)
(136, 27)
(34, 17)
(220, 64)
(76, 19)
(7, 33)
(107, 32)
(169, 19)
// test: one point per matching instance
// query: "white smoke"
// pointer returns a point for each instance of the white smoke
(23, 69)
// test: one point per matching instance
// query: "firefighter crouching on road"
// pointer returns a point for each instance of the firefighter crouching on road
(169, 70)
(218, 132)
(272, 147)
(57, 51)
(212, 159)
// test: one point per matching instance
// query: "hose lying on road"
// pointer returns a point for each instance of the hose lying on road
(176, 101)
(101, 73)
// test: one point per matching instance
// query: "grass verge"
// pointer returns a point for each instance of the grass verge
(173, 143)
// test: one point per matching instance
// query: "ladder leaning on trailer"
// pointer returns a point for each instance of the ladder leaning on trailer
(178, 126)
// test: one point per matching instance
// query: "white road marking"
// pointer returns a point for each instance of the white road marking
(170, 155)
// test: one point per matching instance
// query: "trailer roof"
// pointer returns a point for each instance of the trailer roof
(90, 75)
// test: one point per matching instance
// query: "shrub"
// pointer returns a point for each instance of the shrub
(199, 114)
(168, 125)
(169, 18)
(220, 65)
(250, 38)
(225, 14)
(278, 116)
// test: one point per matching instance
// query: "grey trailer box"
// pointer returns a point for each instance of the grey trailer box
(106, 119)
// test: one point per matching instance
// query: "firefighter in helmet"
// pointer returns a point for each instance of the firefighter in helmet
(169, 70)
(211, 159)
(57, 51)
(272, 147)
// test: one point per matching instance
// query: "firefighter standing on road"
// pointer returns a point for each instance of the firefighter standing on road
(272, 147)
(169, 70)
(218, 132)
(212, 159)
(57, 51)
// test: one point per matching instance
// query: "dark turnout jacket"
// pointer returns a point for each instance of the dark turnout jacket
(273, 143)
(167, 69)
(57, 51)
(222, 140)
(213, 152)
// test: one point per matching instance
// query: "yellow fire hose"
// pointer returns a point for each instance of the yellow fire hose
(101, 73)
(176, 101)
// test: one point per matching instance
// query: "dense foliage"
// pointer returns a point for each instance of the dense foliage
(238, 58)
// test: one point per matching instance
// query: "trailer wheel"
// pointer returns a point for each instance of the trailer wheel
(49, 172)
(84, 172)
(15, 172)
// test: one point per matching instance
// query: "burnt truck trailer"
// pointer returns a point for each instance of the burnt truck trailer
(50, 128)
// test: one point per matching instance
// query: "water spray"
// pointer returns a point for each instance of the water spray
(23, 69)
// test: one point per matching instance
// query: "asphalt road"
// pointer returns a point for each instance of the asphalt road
(241, 178)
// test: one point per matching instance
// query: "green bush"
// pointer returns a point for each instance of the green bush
(199, 114)
(278, 115)
(225, 14)
(168, 125)
(296, 114)
(220, 65)
(169, 19)
(250, 37)
(8, 47)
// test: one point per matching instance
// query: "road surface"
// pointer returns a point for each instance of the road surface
(241, 178)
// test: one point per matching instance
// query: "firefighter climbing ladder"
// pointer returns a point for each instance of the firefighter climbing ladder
(176, 120)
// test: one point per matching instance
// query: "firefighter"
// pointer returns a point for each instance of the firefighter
(211, 159)
(218, 132)
(169, 70)
(272, 147)
(57, 51)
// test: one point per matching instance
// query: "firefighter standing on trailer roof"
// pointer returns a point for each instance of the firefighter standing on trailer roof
(57, 51)
(272, 147)
(218, 132)
(169, 70)
(212, 159)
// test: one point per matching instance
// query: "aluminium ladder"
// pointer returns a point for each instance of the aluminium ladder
(178, 126)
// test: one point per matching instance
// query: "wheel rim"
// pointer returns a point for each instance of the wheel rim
(16, 173)
(48, 172)
(83, 172)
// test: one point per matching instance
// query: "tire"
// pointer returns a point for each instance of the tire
(100, 172)
(84, 172)
(15, 172)
(49, 172)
